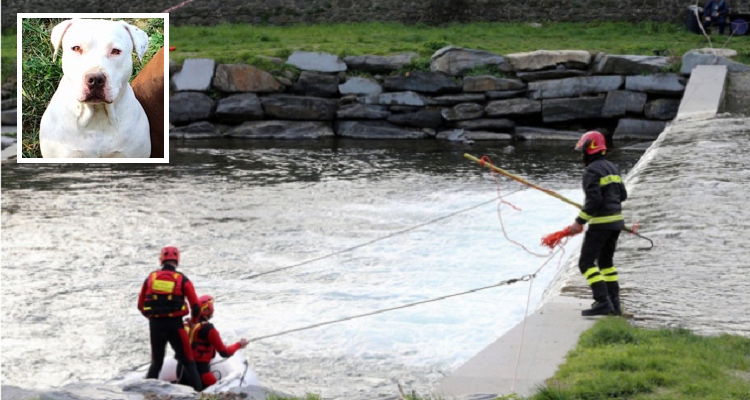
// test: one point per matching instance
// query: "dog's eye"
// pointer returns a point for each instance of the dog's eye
(116, 52)
(77, 49)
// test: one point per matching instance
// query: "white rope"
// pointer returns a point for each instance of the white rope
(382, 237)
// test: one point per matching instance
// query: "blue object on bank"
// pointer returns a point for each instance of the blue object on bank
(739, 26)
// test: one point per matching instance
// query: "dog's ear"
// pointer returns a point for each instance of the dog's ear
(140, 39)
(57, 35)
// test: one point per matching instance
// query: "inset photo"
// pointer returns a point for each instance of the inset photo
(93, 88)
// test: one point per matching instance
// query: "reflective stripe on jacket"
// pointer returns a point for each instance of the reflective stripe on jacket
(605, 193)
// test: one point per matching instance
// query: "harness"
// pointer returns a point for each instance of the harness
(164, 297)
(203, 350)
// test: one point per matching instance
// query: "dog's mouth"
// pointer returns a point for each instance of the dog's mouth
(95, 97)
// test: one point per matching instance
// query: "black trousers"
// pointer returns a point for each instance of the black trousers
(172, 331)
(597, 255)
(721, 21)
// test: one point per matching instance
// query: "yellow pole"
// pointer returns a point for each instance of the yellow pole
(521, 180)
(529, 184)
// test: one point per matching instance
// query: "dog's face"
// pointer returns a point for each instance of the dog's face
(97, 56)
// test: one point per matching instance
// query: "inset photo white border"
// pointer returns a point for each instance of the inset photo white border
(58, 62)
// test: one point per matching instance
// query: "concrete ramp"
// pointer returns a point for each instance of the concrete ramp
(550, 334)
(703, 94)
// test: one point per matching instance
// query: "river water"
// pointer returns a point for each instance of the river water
(78, 240)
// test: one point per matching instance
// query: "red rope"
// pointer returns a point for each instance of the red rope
(500, 214)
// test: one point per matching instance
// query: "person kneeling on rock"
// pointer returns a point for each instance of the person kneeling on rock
(206, 341)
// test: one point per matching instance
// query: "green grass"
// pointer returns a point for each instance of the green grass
(235, 43)
(40, 74)
(9, 46)
(614, 360)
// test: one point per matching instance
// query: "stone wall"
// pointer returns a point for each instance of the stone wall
(211, 12)
(552, 95)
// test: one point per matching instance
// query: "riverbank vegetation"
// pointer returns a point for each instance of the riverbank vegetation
(244, 42)
(614, 360)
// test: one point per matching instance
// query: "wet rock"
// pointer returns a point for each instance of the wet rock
(16, 393)
(362, 86)
(375, 130)
(662, 109)
(502, 108)
(487, 83)
(8, 117)
(556, 110)
(362, 111)
(83, 391)
(557, 73)
(8, 104)
(620, 102)
(239, 108)
(196, 130)
(299, 108)
(285, 81)
(9, 155)
(668, 84)
(455, 60)
(483, 135)
(487, 124)
(692, 59)
(378, 64)
(630, 128)
(543, 59)
(248, 392)
(158, 388)
(630, 65)
(423, 82)
(454, 99)
(281, 130)
(536, 133)
(313, 61)
(403, 109)
(463, 112)
(571, 87)
(419, 119)
(316, 84)
(232, 78)
(196, 74)
(398, 98)
(717, 52)
(6, 142)
(187, 107)
(174, 68)
(504, 94)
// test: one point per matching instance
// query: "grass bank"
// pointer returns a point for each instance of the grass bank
(8, 57)
(242, 43)
(614, 360)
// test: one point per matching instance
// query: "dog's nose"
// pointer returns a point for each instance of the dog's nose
(96, 80)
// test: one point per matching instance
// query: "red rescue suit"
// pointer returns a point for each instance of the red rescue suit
(205, 342)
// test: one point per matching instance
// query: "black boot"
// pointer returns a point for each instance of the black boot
(604, 307)
(616, 305)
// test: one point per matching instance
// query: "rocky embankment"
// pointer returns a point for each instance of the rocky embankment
(467, 95)
(9, 113)
(141, 389)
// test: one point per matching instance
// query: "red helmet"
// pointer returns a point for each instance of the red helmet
(170, 253)
(592, 142)
(207, 305)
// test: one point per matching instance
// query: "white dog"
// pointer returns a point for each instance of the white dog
(94, 112)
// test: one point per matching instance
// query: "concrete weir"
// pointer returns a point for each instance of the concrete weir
(689, 192)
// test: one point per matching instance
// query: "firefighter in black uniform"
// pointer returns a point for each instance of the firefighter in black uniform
(602, 210)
